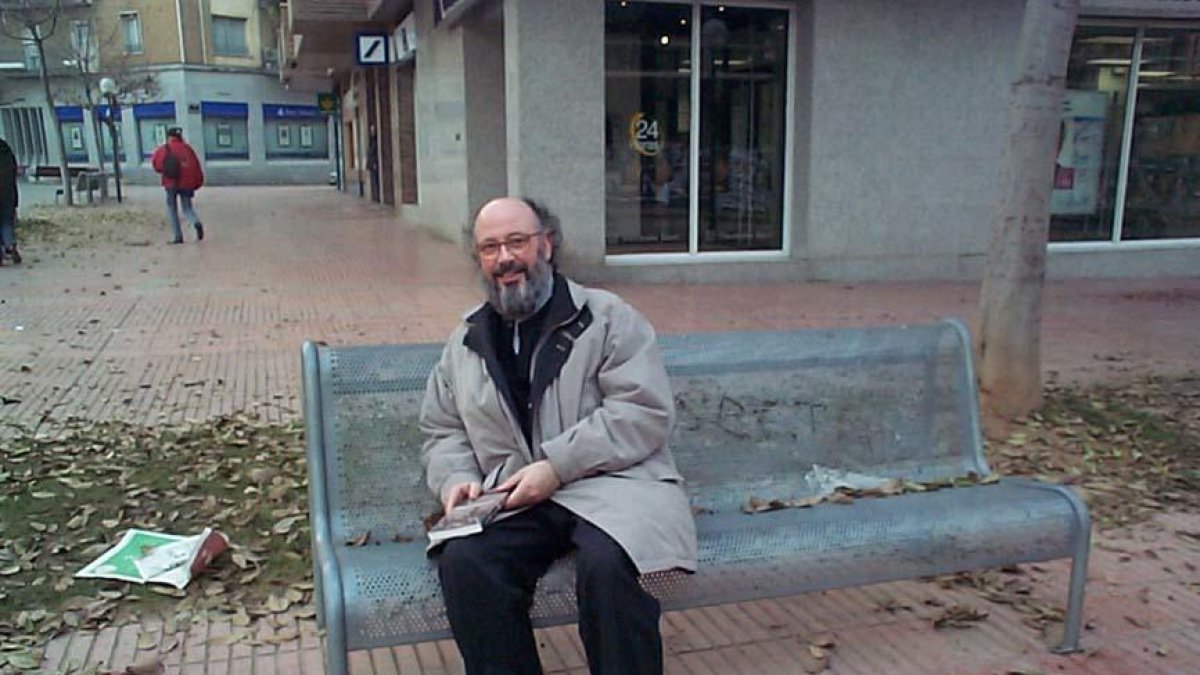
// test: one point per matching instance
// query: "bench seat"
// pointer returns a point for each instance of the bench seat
(755, 412)
(392, 592)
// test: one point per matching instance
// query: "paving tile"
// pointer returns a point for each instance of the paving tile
(228, 317)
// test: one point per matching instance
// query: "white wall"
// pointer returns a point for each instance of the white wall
(908, 123)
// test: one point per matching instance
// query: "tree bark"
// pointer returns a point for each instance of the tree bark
(63, 164)
(1008, 338)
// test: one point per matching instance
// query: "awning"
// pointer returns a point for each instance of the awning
(223, 109)
(161, 109)
(272, 111)
(69, 113)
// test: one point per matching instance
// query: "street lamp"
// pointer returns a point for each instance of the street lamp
(109, 88)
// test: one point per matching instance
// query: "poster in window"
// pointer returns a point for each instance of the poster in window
(1080, 157)
(160, 134)
(306, 136)
(224, 135)
(76, 138)
(284, 135)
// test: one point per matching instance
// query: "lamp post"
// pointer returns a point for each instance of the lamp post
(109, 88)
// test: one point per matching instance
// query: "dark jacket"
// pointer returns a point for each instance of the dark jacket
(8, 177)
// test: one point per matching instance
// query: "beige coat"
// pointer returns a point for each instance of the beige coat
(603, 423)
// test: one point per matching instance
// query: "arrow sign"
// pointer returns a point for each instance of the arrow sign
(371, 49)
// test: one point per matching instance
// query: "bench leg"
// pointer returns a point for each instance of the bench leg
(1074, 619)
(337, 661)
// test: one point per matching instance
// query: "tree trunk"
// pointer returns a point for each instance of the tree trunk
(1008, 339)
(63, 165)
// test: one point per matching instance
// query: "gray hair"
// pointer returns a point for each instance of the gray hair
(547, 222)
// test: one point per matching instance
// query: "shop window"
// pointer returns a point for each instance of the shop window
(225, 130)
(743, 94)
(70, 118)
(295, 132)
(153, 120)
(1118, 183)
(648, 127)
(736, 204)
(1163, 194)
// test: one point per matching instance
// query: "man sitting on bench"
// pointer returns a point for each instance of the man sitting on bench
(559, 392)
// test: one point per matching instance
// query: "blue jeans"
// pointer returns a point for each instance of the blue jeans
(185, 200)
(8, 226)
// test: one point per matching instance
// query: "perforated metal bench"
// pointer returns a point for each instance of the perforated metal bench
(756, 411)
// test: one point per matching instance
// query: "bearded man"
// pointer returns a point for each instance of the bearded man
(556, 393)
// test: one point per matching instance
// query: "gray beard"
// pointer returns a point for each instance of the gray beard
(521, 301)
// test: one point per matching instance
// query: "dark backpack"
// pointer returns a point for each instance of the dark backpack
(172, 168)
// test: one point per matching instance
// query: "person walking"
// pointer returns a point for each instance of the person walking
(8, 204)
(182, 175)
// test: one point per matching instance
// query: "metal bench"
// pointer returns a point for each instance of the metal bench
(756, 411)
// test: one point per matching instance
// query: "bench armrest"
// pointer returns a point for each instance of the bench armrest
(325, 565)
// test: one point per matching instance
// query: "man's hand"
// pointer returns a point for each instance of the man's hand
(461, 493)
(530, 485)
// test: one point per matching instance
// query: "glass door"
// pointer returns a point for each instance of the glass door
(668, 190)
(743, 91)
(647, 126)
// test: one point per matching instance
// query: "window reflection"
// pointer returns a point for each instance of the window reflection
(1089, 144)
(742, 97)
(742, 82)
(647, 120)
(1164, 169)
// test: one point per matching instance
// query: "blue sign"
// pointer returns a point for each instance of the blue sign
(160, 110)
(69, 113)
(272, 111)
(104, 112)
(223, 109)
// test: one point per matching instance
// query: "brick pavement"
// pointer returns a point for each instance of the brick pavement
(169, 333)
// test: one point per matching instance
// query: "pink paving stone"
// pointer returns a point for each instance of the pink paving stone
(312, 662)
(451, 658)
(360, 663)
(332, 267)
(383, 662)
(407, 660)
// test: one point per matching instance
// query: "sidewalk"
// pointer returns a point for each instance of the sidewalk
(153, 333)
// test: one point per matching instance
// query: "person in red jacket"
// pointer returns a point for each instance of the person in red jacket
(182, 175)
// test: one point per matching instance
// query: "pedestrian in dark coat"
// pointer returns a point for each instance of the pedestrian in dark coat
(9, 200)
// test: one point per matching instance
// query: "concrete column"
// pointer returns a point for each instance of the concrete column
(483, 69)
(554, 96)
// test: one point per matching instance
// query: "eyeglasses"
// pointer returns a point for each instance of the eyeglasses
(516, 243)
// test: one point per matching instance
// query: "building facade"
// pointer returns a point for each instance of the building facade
(698, 140)
(210, 67)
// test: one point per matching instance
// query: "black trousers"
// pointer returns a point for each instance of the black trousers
(488, 580)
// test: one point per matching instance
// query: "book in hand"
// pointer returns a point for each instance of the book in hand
(468, 517)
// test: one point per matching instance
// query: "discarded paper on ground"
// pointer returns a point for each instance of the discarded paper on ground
(145, 557)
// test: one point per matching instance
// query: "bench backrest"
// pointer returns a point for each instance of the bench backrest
(756, 412)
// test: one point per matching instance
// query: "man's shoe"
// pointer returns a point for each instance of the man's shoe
(16, 255)
(175, 241)
(199, 231)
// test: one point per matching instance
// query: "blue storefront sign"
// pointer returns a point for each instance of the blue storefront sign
(104, 112)
(272, 111)
(224, 109)
(158, 110)
(69, 113)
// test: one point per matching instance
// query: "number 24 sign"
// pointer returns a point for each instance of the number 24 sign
(644, 135)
